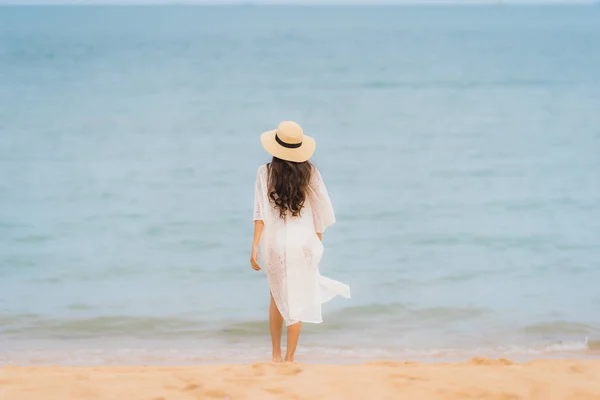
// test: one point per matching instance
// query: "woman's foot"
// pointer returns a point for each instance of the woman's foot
(277, 357)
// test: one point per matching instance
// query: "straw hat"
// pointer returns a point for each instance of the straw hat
(288, 142)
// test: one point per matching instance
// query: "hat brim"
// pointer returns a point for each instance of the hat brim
(299, 154)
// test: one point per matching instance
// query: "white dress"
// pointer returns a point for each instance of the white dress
(291, 251)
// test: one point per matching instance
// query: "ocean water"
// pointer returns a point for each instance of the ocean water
(460, 146)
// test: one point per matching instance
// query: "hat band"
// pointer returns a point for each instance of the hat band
(287, 145)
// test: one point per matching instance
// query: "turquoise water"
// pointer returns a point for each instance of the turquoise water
(461, 148)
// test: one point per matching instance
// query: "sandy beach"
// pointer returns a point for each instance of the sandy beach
(476, 379)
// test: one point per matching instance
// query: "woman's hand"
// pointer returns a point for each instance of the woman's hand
(254, 258)
(259, 225)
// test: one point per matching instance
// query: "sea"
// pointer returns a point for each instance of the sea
(460, 146)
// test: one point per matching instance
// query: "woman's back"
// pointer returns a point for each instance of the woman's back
(316, 211)
(291, 211)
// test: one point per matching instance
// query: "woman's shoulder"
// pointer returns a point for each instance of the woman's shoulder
(315, 175)
(262, 170)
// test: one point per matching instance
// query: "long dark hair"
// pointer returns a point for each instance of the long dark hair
(288, 185)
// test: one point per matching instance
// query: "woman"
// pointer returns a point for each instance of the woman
(291, 211)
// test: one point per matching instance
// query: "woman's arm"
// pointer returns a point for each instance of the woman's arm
(258, 229)
(323, 215)
(259, 215)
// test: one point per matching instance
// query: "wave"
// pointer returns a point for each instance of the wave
(412, 314)
(34, 239)
(371, 324)
(463, 84)
(153, 353)
(39, 326)
(31, 326)
(561, 328)
(246, 328)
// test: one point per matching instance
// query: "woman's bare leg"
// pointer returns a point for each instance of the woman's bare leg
(275, 322)
(293, 332)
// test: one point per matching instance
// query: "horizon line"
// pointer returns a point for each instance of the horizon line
(338, 3)
(297, 5)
